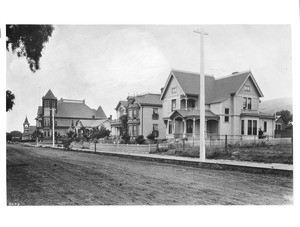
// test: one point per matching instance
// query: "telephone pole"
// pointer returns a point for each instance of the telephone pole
(202, 96)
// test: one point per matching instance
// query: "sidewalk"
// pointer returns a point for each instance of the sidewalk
(285, 169)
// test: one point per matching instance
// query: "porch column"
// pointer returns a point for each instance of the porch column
(168, 125)
(205, 130)
(174, 126)
(194, 127)
(186, 101)
(184, 128)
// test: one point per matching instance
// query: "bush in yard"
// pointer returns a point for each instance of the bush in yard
(126, 137)
(151, 136)
(140, 139)
(68, 139)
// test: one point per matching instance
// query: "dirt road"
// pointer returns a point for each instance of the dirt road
(40, 176)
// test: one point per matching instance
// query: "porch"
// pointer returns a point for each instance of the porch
(186, 124)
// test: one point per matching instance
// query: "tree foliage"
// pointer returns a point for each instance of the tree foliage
(10, 97)
(100, 133)
(28, 41)
(285, 115)
(124, 120)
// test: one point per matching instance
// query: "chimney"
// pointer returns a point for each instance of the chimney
(161, 90)
(110, 117)
(83, 101)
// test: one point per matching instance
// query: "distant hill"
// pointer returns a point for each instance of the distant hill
(276, 104)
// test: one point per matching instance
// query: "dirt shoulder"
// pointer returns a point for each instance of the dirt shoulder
(42, 176)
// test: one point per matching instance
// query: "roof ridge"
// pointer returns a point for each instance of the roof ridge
(191, 72)
(235, 74)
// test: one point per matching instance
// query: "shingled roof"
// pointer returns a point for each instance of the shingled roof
(148, 99)
(123, 103)
(26, 122)
(216, 90)
(78, 110)
(49, 95)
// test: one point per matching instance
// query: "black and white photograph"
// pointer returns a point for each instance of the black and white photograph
(137, 114)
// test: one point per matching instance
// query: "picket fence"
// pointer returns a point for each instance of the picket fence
(132, 148)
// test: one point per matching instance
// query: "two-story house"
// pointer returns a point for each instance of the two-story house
(67, 113)
(144, 114)
(231, 106)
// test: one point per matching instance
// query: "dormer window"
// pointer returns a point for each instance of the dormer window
(247, 88)
(174, 90)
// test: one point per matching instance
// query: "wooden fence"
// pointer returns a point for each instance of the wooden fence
(130, 148)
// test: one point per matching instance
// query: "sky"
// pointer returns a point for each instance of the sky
(105, 63)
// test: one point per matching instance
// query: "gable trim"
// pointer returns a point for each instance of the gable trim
(167, 84)
(255, 83)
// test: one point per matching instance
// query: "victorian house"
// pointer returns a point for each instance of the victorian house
(144, 114)
(67, 113)
(27, 130)
(231, 106)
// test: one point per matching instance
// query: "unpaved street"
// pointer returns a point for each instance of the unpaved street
(39, 176)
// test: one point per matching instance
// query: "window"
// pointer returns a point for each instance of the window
(174, 90)
(249, 127)
(278, 127)
(243, 127)
(247, 103)
(252, 127)
(46, 122)
(135, 114)
(155, 130)
(189, 126)
(135, 130)
(155, 115)
(170, 127)
(265, 126)
(247, 88)
(129, 113)
(55, 123)
(173, 105)
(226, 118)
(244, 103)
(72, 123)
(47, 103)
(130, 130)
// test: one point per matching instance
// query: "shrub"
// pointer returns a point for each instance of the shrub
(140, 139)
(151, 136)
(126, 137)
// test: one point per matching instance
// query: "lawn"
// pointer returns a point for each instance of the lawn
(279, 153)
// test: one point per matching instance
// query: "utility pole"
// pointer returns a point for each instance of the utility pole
(53, 133)
(202, 96)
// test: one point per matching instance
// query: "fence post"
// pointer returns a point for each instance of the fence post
(149, 148)
(183, 143)
(95, 146)
(226, 143)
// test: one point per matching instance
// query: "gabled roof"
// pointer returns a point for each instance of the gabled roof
(192, 113)
(123, 103)
(92, 123)
(78, 110)
(49, 95)
(100, 113)
(26, 122)
(148, 99)
(216, 90)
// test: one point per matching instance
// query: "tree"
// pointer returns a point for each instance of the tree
(100, 133)
(285, 115)
(28, 41)
(124, 120)
(8, 136)
(10, 97)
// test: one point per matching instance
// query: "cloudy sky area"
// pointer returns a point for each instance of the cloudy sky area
(103, 64)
